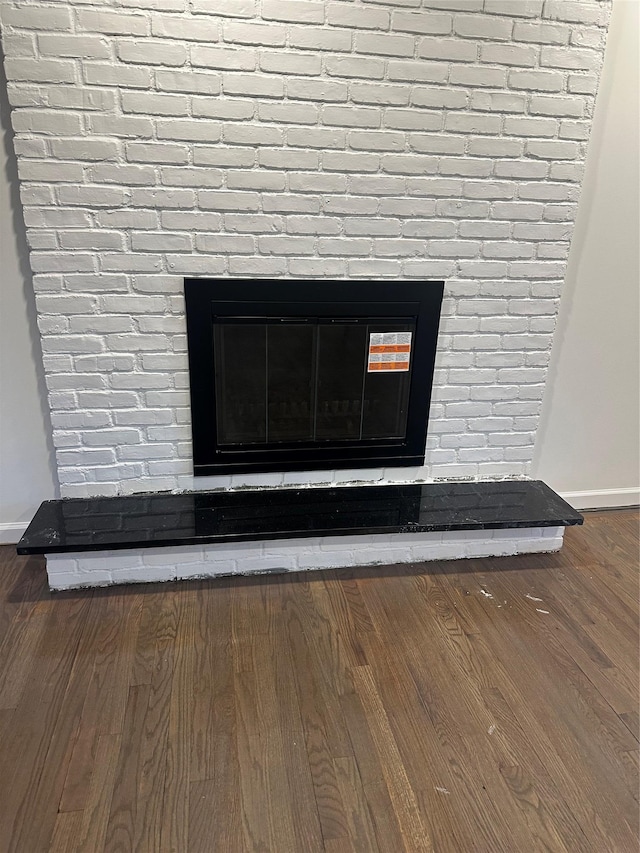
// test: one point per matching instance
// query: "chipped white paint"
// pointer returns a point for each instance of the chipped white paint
(532, 597)
(141, 565)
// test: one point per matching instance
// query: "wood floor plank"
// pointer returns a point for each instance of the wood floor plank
(471, 705)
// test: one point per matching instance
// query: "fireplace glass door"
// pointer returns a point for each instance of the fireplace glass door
(319, 380)
(308, 375)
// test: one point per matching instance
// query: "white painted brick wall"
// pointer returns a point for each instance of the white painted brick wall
(295, 138)
(148, 565)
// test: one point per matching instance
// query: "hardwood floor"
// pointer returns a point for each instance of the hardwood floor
(482, 705)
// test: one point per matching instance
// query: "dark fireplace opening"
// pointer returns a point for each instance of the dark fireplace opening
(299, 375)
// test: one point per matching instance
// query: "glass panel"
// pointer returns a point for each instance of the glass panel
(291, 381)
(342, 349)
(240, 381)
(386, 394)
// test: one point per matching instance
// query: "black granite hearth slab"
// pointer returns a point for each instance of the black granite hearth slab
(192, 518)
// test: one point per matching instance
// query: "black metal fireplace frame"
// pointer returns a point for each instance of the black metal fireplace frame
(207, 299)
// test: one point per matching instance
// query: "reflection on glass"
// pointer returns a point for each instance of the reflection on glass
(292, 382)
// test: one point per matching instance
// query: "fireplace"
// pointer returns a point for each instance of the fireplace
(297, 375)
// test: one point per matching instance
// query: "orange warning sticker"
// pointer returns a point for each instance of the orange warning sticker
(389, 351)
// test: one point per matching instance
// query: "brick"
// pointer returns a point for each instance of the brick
(475, 124)
(160, 242)
(94, 239)
(552, 150)
(466, 166)
(376, 141)
(339, 161)
(247, 134)
(156, 152)
(289, 203)
(351, 117)
(228, 9)
(277, 62)
(174, 27)
(288, 113)
(343, 246)
(373, 93)
(112, 173)
(376, 185)
(458, 209)
(576, 13)
(516, 8)
(520, 169)
(438, 97)
(259, 267)
(315, 38)
(293, 11)
(269, 35)
(310, 182)
(508, 54)
(451, 49)
(313, 225)
(503, 102)
(129, 126)
(253, 223)
(530, 126)
(317, 267)
(316, 138)
(409, 164)
(40, 70)
(228, 59)
(179, 176)
(149, 52)
(252, 85)
(162, 198)
(286, 245)
(483, 27)
(191, 220)
(421, 23)
(432, 143)
(316, 90)
(225, 244)
(418, 72)
(223, 108)
(413, 120)
(154, 105)
(354, 66)
(382, 44)
(188, 130)
(517, 210)
(477, 76)
(90, 196)
(549, 106)
(361, 18)
(541, 33)
(86, 47)
(111, 23)
(116, 75)
(45, 18)
(574, 130)
(287, 159)
(214, 200)
(574, 59)
(582, 84)
(255, 180)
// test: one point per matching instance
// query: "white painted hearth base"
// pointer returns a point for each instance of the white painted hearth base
(148, 565)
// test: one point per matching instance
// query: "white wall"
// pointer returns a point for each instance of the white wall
(26, 463)
(589, 436)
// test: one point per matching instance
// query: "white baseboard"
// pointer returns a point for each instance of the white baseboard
(603, 498)
(10, 532)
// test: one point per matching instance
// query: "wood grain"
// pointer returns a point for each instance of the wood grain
(481, 705)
